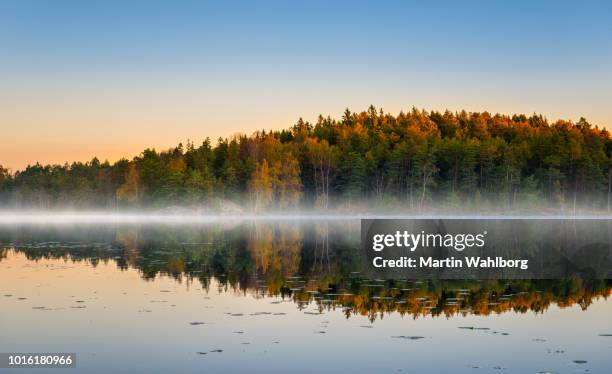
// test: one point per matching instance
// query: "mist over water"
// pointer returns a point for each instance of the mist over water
(8, 217)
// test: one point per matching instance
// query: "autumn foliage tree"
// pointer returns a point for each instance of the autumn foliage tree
(415, 160)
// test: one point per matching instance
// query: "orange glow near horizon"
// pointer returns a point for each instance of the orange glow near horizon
(59, 139)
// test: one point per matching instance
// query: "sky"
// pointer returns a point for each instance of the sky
(80, 79)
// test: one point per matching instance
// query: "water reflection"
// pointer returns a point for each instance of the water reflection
(315, 265)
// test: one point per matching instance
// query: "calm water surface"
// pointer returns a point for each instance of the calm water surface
(278, 297)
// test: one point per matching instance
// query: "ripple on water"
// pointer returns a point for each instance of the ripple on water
(407, 337)
(556, 351)
(260, 313)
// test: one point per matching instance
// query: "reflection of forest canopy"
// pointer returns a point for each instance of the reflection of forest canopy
(408, 160)
(276, 260)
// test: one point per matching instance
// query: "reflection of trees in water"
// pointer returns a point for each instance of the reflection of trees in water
(316, 266)
(321, 250)
(374, 299)
(275, 250)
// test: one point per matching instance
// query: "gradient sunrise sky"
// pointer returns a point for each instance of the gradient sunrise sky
(109, 78)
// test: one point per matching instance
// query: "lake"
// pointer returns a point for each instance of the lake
(277, 296)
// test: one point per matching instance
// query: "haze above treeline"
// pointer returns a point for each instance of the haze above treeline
(414, 161)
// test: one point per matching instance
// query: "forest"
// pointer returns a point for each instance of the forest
(414, 161)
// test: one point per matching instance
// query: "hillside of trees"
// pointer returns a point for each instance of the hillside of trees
(414, 161)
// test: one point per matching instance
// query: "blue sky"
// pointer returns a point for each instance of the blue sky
(108, 78)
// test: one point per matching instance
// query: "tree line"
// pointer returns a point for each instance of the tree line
(412, 161)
